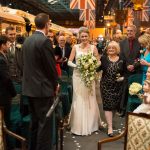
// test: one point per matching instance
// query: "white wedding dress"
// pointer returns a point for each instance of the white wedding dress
(84, 115)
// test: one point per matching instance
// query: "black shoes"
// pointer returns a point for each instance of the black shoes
(122, 114)
(110, 134)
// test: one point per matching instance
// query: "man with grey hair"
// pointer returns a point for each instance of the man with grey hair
(130, 52)
(130, 49)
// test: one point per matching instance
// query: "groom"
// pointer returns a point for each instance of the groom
(39, 82)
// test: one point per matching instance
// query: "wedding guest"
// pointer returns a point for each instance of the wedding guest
(111, 84)
(7, 90)
(84, 114)
(62, 53)
(145, 106)
(130, 52)
(40, 82)
(144, 40)
(147, 30)
(148, 73)
(51, 36)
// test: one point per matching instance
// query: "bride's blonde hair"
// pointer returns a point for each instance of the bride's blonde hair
(84, 29)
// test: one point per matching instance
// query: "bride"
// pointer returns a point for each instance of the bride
(84, 115)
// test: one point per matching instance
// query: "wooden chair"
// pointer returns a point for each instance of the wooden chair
(4, 131)
(136, 133)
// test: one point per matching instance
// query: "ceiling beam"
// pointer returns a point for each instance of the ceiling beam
(68, 9)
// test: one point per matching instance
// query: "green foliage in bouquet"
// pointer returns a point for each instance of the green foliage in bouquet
(87, 65)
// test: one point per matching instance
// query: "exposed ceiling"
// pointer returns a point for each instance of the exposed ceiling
(59, 10)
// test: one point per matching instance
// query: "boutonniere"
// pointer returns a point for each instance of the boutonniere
(141, 51)
(18, 46)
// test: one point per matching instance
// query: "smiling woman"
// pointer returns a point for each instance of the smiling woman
(113, 67)
(84, 116)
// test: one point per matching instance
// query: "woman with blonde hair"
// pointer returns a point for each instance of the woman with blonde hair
(144, 40)
(111, 84)
(84, 114)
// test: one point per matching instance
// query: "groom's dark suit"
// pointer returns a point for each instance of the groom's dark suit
(39, 84)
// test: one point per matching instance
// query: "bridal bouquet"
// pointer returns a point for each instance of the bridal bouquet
(135, 89)
(87, 65)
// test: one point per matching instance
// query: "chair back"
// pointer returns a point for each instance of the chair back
(138, 132)
(1, 131)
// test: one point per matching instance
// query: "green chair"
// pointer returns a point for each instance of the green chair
(65, 95)
(133, 100)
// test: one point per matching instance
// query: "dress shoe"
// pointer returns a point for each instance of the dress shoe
(110, 134)
(122, 114)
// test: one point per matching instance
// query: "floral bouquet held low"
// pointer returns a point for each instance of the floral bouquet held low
(135, 89)
(87, 65)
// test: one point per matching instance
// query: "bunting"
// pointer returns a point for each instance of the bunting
(82, 4)
(87, 14)
(146, 11)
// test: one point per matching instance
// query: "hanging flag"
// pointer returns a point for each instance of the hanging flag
(90, 24)
(146, 11)
(130, 18)
(90, 4)
(82, 4)
(87, 14)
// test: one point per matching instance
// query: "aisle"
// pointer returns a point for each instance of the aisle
(73, 142)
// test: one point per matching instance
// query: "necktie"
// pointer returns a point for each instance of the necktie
(12, 49)
(63, 52)
(131, 44)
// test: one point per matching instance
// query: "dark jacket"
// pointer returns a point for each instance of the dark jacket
(6, 86)
(58, 52)
(39, 68)
(130, 56)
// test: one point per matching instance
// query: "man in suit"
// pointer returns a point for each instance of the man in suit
(130, 52)
(62, 53)
(39, 82)
(14, 55)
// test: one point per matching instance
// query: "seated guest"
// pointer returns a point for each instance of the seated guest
(145, 106)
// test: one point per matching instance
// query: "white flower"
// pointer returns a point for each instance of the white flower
(135, 88)
(90, 61)
(18, 46)
(87, 65)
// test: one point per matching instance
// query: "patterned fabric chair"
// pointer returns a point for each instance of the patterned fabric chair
(137, 133)
(4, 131)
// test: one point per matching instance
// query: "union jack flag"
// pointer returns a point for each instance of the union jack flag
(87, 14)
(130, 18)
(146, 11)
(82, 4)
(90, 24)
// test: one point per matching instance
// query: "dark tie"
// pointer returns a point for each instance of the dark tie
(12, 49)
(131, 44)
